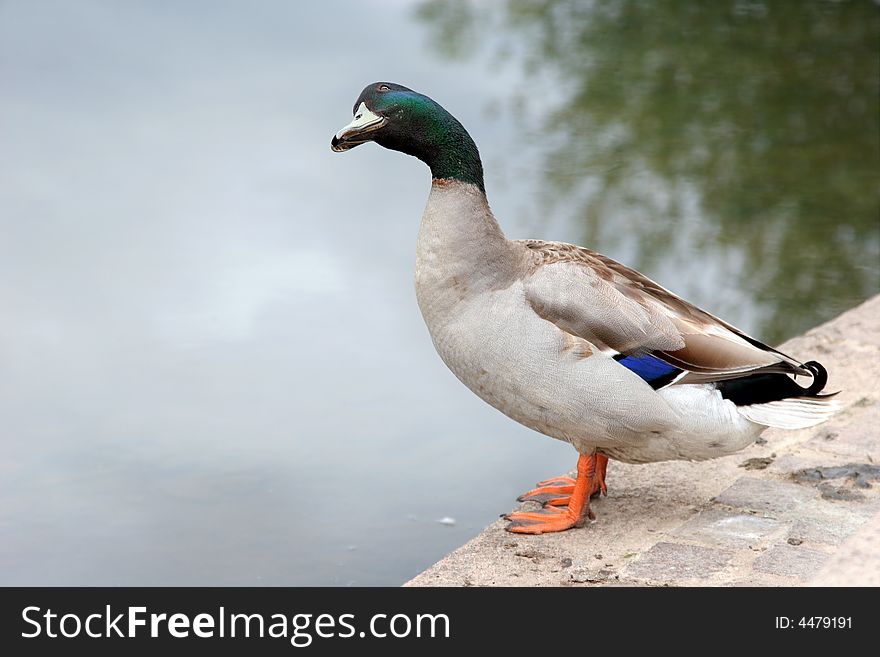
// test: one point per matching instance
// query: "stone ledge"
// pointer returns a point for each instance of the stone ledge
(801, 508)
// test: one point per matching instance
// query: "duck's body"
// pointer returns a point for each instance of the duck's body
(568, 342)
(473, 287)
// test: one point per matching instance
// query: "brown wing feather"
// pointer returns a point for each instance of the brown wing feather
(712, 349)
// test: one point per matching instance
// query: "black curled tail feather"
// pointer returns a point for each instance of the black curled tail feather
(764, 388)
(820, 378)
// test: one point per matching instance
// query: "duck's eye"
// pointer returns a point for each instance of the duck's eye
(357, 116)
(384, 87)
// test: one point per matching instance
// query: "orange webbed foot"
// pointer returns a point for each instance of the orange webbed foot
(566, 500)
(556, 494)
(546, 520)
(557, 491)
(561, 480)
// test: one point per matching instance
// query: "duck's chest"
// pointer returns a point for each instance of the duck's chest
(470, 289)
(466, 279)
(489, 341)
(509, 357)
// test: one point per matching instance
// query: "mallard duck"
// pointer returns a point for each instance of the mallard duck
(569, 342)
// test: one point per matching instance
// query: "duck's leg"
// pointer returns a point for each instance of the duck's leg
(557, 518)
(601, 468)
(557, 491)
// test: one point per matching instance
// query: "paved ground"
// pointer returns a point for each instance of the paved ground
(804, 507)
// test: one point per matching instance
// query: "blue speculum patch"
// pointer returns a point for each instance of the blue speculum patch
(650, 368)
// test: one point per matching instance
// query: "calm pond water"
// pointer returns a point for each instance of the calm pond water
(212, 366)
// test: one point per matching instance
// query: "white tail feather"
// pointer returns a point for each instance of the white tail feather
(795, 413)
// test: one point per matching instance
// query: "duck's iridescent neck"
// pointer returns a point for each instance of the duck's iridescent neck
(438, 139)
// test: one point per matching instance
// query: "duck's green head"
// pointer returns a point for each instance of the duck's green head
(401, 119)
